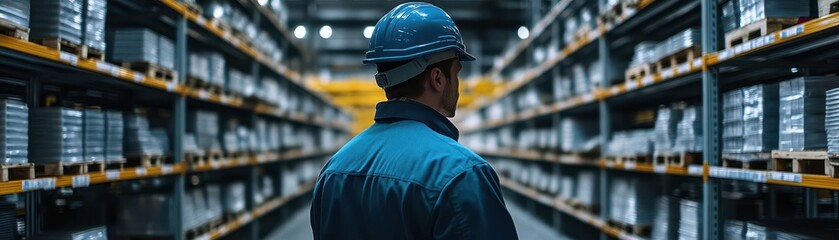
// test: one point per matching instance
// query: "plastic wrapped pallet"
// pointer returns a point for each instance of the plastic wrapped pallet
(214, 201)
(689, 131)
(587, 193)
(56, 19)
(235, 81)
(690, 219)
(571, 27)
(114, 129)
(802, 113)
(162, 139)
(199, 66)
(645, 53)
(734, 230)
(57, 135)
(582, 85)
(576, 133)
(730, 15)
(165, 52)
(216, 64)
(139, 140)
(760, 118)
(14, 131)
(15, 11)
(678, 42)
(732, 121)
(635, 199)
(205, 126)
(595, 73)
(752, 11)
(94, 24)
(94, 135)
(666, 223)
(832, 120)
(665, 128)
(135, 45)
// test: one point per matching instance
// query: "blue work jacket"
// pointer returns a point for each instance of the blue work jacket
(407, 177)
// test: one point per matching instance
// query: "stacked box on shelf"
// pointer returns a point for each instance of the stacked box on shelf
(93, 34)
(216, 66)
(632, 200)
(215, 207)
(57, 135)
(751, 11)
(690, 223)
(644, 53)
(139, 140)
(114, 135)
(665, 129)
(666, 222)
(832, 120)
(582, 85)
(165, 52)
(135, 45)
(162, 138)
(595, 74)
(825, 7)
(760, 118)
(579, 135)
(15, 11)
(562, 88)
(148, 214)
(204, 124)
(802, 113)
(730, 15)
(14, 131)
(571, 27)
(264, 191)
(56, 19)
(732, 121)
(94, 135)
(689, 131)
(638, 142)
(683, 40)
(587, 193)
(199, 67)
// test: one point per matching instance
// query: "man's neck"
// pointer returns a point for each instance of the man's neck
(423, 100)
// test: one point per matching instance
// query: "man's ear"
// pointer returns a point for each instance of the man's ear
(437, 80)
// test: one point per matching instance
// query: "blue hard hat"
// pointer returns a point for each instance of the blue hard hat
(414, 29)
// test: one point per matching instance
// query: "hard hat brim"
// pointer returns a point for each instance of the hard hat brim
(463, 55)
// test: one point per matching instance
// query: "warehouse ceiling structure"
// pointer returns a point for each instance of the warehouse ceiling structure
(488, 27)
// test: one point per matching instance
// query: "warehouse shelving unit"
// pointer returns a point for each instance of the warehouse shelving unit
(38, 66)
(803, 48)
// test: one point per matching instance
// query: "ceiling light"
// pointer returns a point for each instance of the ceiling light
(326, 32)
(300, 32)
(218, 12)
(262, 2)
(368, 31)
(523, 32)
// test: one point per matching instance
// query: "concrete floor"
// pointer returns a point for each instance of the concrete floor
(527, 226)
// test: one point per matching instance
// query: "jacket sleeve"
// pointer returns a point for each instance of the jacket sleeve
(471, 207)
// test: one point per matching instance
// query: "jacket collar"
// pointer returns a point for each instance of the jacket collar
(406, 109)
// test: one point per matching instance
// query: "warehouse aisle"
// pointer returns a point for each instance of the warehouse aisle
(528, 227)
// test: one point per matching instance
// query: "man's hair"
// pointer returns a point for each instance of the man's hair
(415, 86)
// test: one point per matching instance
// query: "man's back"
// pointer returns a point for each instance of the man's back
(401, 179)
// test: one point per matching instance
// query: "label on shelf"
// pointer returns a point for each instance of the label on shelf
(697, 63)
(629, 165)
(784, 176)
(70, 58)
(660, 168)
(630, 85)
(684, 68)
(616, 90)
(203, 95)
(139, 77)
(81, 181)
(588, 98)
(200, 20)
(695, 170)
(224, 99)
(222, 230)
(667, 73)
(610, 164)
(215, 164)
(737, 174)
(792, 31)
(726, 54)
(39, 183)
(170, 86)
(166, 169)
(140, 171)
(647, 80)
(246, 217)
(112, 174)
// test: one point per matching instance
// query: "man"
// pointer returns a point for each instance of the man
(407, 177)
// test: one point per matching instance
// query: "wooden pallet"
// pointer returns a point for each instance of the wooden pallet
(152, 70)
(239, 34)
(207, 157)
(229, 217)
(16, 171)
(92, 53)
(643, 158)
(677, 159)
(750, 165)
(13, 30)
(810, 162)
(61, 169)
(641, 231)
(198, 83)
(61, 45)
(617, 13)
(832, 165)
(220, 24)
(758, 29)
(146, 160)
(686, 55)
(637, 72)
(576, 204)
(204, 228)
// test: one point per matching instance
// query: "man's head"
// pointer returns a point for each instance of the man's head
(436, 87)
(417, 50)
